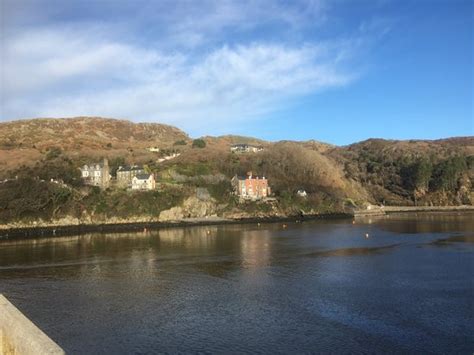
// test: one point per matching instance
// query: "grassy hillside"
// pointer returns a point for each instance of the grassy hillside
(27, 141)
(419, 172)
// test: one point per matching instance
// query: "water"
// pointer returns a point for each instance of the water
(311, 287)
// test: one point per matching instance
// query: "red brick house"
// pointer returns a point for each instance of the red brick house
(251, 187)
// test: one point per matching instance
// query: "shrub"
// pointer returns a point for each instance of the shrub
(180, 142)
(53, 153)
(199, 143)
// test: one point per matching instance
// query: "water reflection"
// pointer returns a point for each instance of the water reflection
(246, 288)
(214, 250)
(354, 251)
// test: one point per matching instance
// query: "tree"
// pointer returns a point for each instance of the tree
(417, 175)
(199, 143)
(115, 163)
(448, 172)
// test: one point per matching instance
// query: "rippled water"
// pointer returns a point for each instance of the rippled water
(319, 286)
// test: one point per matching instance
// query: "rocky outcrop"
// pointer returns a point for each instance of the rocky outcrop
(199, 206)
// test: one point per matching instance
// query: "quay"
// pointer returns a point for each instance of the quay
(19, 336)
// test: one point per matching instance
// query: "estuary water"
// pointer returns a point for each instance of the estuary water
(396, 284)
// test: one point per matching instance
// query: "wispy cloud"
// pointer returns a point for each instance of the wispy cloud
(206, 65)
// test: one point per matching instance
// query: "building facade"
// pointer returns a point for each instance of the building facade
(251, 187)
(125, 174)
(97, 174)
(245, 148)
(143, 182)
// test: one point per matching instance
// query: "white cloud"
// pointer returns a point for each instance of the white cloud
(83, 69)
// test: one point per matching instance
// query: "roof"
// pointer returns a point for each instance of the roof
(254, 177)
(143, 176)
(243, 145)
(92, 166)
(130, 168)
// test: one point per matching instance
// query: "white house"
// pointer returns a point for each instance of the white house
(245, 148)
(301, 193)
(143, 182)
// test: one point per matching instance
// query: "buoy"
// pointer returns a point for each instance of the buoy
(353, 222)
(284, 226)
(258, 224)
(366, 235)
(208, 232)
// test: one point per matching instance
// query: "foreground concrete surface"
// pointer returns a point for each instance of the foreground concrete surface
(18, 335)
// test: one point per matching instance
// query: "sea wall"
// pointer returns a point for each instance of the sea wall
(19, 336)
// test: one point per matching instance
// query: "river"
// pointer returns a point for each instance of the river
(402, 283)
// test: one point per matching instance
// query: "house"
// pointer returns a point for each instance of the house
(301, 193)
(143, 182)
(97, 174)
(169, 157)
(251, 187)
(125, 174)
(245, 148)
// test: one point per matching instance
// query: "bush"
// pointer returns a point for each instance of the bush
(61, 168)
(53, 153)
(28, 198)
(199, 143)
(180, 142)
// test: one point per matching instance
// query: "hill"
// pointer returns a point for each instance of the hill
(27, 141)
(377, 171)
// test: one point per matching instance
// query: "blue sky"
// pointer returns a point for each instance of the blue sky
(335, 71)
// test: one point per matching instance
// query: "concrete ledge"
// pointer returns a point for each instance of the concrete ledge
(18, 335)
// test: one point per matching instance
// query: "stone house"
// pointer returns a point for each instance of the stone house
(97, 174)
(251, 187)
(245, 148)
(125, 174)
(143, 182)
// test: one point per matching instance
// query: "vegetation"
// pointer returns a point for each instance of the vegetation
(180, 142)
(29, 199)
(199, 143)
(374, 171)
(60, 168)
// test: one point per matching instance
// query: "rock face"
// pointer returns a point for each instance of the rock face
(200, 206)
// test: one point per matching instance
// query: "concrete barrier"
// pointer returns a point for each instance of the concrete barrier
(19, 336)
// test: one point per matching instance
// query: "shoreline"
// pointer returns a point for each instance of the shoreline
(52, 230)
(80, 229)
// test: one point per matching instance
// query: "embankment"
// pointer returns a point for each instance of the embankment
(45, 230)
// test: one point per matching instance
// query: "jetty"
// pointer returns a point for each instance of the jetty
(373, 210)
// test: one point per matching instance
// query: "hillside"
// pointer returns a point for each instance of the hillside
(26, 141)
(390, 172)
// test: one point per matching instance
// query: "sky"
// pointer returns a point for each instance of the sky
(330, 70)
